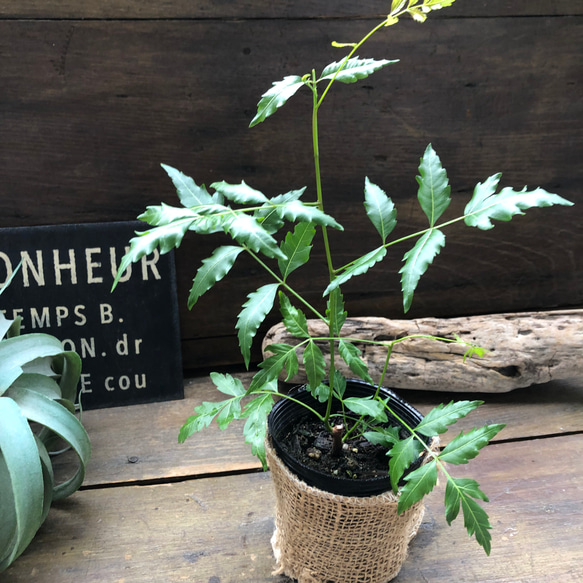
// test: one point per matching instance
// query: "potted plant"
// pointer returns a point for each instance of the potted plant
(38, 389)
(332, 417)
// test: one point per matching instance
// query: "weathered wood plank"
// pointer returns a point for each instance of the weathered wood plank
(523, 349)
(122, 9)
(139, 443)
(217, 530)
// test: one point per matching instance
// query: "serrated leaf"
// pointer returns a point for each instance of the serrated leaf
(385, 436)
(228, 384)
(297, 211)
(434, 190)
(402, 455)
(189, 193)
(418, 483)
(335, 311)
(417, 260)
(284, 356)
(203, 417)
(358, 267)
(486, 205)
(466, 446)
(354, 69)
(240, 193)
(296, 247)
(268, 214)
(455, 488)
(255, 309)
(368, 406)
(339, 383)
(246, 230)
(321, 392)
(314, 364)
(230, 412)
(262, 381)
(439, 418)
(294, 319)
(275, 97)
(476, 522)
(380, 209)
(255, 427)
(165, 237)
(212, 270)
(351, 356)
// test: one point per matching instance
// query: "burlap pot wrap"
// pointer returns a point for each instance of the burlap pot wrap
(326, 538)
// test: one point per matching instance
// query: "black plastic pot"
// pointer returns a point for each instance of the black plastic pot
(286, 413)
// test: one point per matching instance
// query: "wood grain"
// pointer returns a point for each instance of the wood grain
(218, 529)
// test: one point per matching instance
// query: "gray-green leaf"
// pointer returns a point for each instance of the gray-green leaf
(240, 193)
(189, 193)
(275, 97)
(351, 356)
(296, 247)
(248, 231)
(434, 190)
(354, 69)
(314, 364)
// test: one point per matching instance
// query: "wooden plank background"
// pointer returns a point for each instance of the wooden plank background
(95, 95)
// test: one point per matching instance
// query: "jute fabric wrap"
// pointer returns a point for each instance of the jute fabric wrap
(326, 538)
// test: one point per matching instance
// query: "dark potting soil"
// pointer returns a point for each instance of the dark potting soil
(311, 444)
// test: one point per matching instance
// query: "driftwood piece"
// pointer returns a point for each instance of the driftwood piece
(524, 349)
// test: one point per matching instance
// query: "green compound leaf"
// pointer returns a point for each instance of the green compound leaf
(335, 311)
(255, 428)
(380, 209)
(294, 320)
(417, 260)
(248, 231)
(354, 69)
(440, 417)
(240, 193)
(189, 193)
(351, 356)
(368, 406)
(434, 190)
(486, 205)
(402, 455)
(268, 213)
(385, 436)
(275, 97)
(228, 384)
(296, 247)
(358, 267)
(418, 483)
(297, 211)
(213, 269)
(284, 356)
(466, 446)
(255, 309)
(455, 488)
(314, 364)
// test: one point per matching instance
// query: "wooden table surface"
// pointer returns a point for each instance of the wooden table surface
(152, 510)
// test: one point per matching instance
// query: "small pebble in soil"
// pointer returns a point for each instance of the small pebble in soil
(314, 453)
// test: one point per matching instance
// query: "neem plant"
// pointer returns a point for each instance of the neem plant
(252, 220)
(38, 388)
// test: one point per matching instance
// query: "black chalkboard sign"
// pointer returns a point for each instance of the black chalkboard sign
(128, 340)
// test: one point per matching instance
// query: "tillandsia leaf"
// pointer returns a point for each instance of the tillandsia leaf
(417, 260)
(385, 436)
(255, 428)
(275, 97)
(268, 214)
(296, 247)
(402, 455)
(240, 193)
(335, 311)
(466, 446)
(351, 70)
(486, 205)
(284, 356)
(434, 190)
(297, 211)
(67, 366)
(358, 267)
(255, 309)
(189, 193)
(166, 238)
(380, 209)
(439, 418)
(21, 483)
(212, 270)
(294, 320)
(418, 483)
(368, 406)
(247, 230)
(314, 364)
